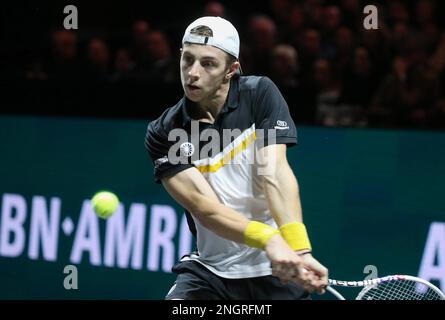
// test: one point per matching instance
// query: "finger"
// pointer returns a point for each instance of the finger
(306, 275)
(282, 273)
(310, 288)
(306, 282)
(276, 268)
(315, 282)
(325, 277)
(322, 289)
(321, 274)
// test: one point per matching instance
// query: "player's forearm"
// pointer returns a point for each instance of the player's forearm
(222, 220)
(282, 193)
(191, 190)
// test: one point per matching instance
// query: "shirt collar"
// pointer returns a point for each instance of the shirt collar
(232, 102)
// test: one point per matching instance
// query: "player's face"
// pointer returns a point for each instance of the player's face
(203, 70)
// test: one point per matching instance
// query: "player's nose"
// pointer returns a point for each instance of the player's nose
(194, 71)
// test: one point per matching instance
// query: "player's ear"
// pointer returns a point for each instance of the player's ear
(232, 71)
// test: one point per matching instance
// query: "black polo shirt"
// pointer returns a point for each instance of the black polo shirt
(252, 103)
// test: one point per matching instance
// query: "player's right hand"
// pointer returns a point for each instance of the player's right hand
(319, 272)
(288, 266)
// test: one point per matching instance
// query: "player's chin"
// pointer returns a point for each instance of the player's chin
(194, 96)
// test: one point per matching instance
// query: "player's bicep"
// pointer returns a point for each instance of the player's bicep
(273, 154)
(190, 189)
(272, 158)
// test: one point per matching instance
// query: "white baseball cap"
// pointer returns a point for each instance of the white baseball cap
(225, 36)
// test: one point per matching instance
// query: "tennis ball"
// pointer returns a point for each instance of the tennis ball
(105, 203)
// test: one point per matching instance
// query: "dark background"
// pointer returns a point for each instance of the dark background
(324, 89)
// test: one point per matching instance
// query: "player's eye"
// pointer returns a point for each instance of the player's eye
(208, 64)
(187, 60)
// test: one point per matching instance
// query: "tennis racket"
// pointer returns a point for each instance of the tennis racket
(395, 287)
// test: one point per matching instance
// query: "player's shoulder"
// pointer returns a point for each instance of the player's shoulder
(168, 120)
(256, 83)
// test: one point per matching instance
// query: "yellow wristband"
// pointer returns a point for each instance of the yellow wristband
(295, 235)
(257, 234)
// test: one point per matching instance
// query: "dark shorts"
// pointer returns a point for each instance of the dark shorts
(196, 282)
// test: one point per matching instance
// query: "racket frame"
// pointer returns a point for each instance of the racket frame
(368, 284)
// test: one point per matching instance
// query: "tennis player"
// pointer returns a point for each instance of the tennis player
(251, 242)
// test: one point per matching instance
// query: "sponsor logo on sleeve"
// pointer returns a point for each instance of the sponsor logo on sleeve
(281, 125)
(160, 161)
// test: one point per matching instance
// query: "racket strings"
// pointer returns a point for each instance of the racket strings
(400, 290)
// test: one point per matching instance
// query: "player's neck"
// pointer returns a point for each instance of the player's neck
(210, 108)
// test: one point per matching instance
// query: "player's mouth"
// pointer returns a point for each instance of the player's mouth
(193, 88)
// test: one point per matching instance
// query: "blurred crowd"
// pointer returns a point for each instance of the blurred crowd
(331, 70)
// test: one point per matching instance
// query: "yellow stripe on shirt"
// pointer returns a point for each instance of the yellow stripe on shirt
(227, 158)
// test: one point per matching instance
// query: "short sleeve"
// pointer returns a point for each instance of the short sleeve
(158, 146)
(272, 115)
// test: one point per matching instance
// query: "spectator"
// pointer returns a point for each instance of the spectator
(284, 66)
(398, 13)
(163, 68)
(294, 28)
(352, 16)
(344, 48)
(331, 18)
(64, 64)
(328, 93)
(263, 36)
(399, 35)
(359, 84)
(424, 12)
(98, 60)
(314, 12)
(377, 69)
(284, 72)
(376, 43)
(139, 35)
(310, 51)
(280, 11)
(437, 115)
(426, 21)
(406, 96)
(214, 8)
(122, 65)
